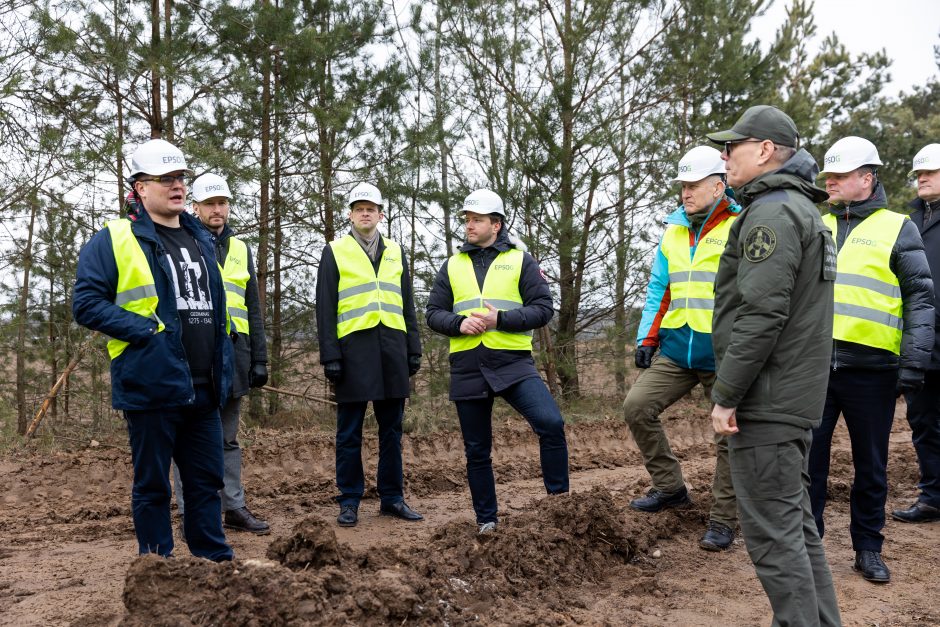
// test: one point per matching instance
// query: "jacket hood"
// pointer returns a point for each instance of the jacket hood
(797, 174)
(862, 208)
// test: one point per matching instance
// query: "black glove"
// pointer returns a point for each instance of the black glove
(333, 370)
(414, 364)
(258, 375)
(644, 356)
(910, 381)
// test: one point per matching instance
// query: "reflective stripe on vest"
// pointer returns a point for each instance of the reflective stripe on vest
(500, 289)
(365, 298)
(692, 278)
(235, 277)
(868, 305)
(136, 291)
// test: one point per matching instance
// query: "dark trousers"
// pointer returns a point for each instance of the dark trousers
(923, 414)
(533, 400)
(192, 437)
(349, 475)
(866, 398)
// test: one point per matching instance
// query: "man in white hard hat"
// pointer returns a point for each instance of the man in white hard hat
(488, 299)
(923, 407)
(882, 333)
(677, 319)
(151, 282)
(369, 347)
(211, 204)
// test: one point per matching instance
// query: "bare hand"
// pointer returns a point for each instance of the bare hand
(489, 318)
(472, 326)
(724, 420)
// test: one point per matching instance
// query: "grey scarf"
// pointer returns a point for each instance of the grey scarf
(371, 246)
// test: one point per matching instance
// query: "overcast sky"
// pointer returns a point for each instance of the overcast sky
(907, 29)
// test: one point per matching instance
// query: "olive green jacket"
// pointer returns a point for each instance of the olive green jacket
(772, 325)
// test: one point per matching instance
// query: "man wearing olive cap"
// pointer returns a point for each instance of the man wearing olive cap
(772, 334)
(677, 318)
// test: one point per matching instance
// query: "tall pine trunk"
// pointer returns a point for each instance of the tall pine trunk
(22, 321)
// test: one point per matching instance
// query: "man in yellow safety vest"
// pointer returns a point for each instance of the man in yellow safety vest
(677, 318)
(488, 298)
(882, 335)
(369, 347)
(151, 282)
(211, 203)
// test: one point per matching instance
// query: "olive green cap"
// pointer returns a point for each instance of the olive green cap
(761, 122)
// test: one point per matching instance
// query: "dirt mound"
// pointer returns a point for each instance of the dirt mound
(459, 576)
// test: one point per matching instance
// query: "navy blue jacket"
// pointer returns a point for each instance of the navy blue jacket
(931, 236)
(474, 373)
(153, 372)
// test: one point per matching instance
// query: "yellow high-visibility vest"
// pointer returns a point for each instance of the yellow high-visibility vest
(692, 278)
(365, 298)
(868, 306)
(136, 291)
(500, 289)
(235, 277)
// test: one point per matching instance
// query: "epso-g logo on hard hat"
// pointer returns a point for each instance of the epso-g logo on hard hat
(685, 168)
(362, 194)
(214, 188)
(471, 201)
(920, 161)
(833, 159)
(173, 159)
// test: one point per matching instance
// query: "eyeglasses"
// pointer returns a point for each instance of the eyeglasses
(167, 180)
(728, 145)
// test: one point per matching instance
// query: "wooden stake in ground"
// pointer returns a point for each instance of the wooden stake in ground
(58, 386)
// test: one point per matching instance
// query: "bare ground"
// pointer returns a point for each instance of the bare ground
(67, 551)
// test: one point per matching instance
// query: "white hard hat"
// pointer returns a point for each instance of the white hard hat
(698, 163)
(848, 154)
(484, 202)
(210, 186)
(158, 157)
(927, 159)
(365, 191)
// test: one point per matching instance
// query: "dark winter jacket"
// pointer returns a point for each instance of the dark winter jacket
(254, 348)
(931, 238)
(772, 325)
(909, 265)
(375, 361)
(153, 372)
(475, 373)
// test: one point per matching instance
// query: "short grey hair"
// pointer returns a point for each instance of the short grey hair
(782, 153)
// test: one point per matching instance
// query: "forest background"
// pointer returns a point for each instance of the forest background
(575, 112)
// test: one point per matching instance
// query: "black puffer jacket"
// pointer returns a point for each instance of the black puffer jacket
(930, 233)
(909, 265)
(474, 372)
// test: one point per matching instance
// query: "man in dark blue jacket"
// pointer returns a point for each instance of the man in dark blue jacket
(151, 283)
(488, 298)
(923, 407)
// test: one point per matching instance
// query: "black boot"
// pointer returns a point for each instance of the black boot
(657, 500)
(243, 520)
(348, 516)
(872, 567)
(917, 513)
(718, 537)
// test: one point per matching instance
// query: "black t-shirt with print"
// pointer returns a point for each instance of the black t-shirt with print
(193, 299)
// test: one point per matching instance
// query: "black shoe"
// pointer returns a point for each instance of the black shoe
(401, 510)
(348, 515)
(917, 513)
(657, 500)
(243, 520)
(718, 537)
(872, 567)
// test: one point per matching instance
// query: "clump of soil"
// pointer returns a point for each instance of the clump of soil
(525, 569)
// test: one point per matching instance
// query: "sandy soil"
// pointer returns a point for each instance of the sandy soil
(67, 550)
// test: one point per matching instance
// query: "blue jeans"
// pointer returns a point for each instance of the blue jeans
(192, 437)
(349, 475)
(866, 399)
(923, 414)
(532, 399)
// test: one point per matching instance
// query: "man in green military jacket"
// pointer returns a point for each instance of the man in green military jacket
(772, 330)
